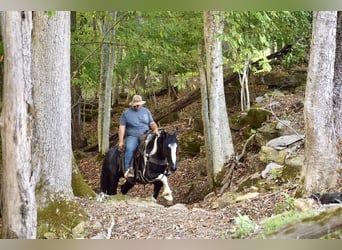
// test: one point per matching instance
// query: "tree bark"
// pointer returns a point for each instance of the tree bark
(321, 161)
(52, 103)
(337, 92)
(76, 100)
(105, 86)
(19, 175)
(220, 140)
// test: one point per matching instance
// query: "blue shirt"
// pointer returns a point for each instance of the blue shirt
(137, 122)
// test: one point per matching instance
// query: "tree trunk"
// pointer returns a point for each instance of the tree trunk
(337, 97)
(19, 175)
(219, 139)
(52, 104)
(105, 87)
(321, 161)
(76, 100)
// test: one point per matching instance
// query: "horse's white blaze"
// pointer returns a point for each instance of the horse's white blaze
(173, 147)
(167, 193)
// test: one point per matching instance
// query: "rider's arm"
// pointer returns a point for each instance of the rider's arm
(122, 130)
(154, 127)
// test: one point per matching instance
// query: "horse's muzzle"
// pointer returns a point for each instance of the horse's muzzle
(174, 167)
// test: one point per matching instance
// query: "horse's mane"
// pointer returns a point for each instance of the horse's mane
(150, 143)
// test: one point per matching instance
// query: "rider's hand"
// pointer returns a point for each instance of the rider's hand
(121, 146)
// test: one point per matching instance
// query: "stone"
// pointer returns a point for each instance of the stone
(269, 154)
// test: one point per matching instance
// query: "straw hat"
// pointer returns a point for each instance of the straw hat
(136, 100)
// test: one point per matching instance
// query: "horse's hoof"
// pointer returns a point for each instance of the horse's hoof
(153, 199)
(100, 197)
(168, 197)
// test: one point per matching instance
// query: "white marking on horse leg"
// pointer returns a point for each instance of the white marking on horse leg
(167, 193)
(173, 148)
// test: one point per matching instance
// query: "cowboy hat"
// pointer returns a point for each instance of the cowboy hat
(136, 100)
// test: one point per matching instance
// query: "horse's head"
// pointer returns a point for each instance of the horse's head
(170, 145)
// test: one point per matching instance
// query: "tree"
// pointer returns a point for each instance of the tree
(19, 175)
(219, 145)
(52, 149)
(321, 161)
(106, 79)
(337, 92)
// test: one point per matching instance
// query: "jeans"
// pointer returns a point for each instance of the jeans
(132, 143)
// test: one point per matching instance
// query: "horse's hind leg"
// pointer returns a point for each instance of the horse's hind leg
(113, 185)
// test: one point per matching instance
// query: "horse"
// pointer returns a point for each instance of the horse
(152, 160)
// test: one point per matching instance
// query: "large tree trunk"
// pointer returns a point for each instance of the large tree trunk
(321, 161)
(220, 140)
(337, 98)
(19, 175)
(52, 102)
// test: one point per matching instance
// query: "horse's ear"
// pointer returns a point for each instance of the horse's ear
(176, 131)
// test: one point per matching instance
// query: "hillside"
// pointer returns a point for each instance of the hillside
(196, 211)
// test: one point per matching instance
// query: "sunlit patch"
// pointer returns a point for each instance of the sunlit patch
(173, 147)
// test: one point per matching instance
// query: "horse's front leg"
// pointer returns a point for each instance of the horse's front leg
(126, 187)
(157, 185)
(167, 193)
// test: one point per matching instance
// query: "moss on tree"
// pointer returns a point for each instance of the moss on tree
(59, 218)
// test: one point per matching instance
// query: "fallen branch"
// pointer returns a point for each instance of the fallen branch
(233, 164)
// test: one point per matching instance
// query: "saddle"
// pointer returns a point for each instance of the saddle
(140, 164)
(139, 159)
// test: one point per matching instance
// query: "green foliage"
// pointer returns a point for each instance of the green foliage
(244, 226)
(167, 42)
(276, 173)
(286, 205)
(252, 34)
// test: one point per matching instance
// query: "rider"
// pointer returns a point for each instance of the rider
(134, 122)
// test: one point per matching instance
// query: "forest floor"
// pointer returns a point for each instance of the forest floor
(191, 215)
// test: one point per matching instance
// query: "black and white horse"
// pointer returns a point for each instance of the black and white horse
(153, 159)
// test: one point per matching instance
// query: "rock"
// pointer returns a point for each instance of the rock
(295, 161)
(179, 206)
(266, 133)
(247, 196)
(284, 127)
(256, 116)
(269, 154)
(269, 167)
(225, 200)
(284, 141)
(303, 205)
(260, 99)
(249, 181)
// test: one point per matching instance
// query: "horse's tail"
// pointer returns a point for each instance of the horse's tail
(110, 173)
